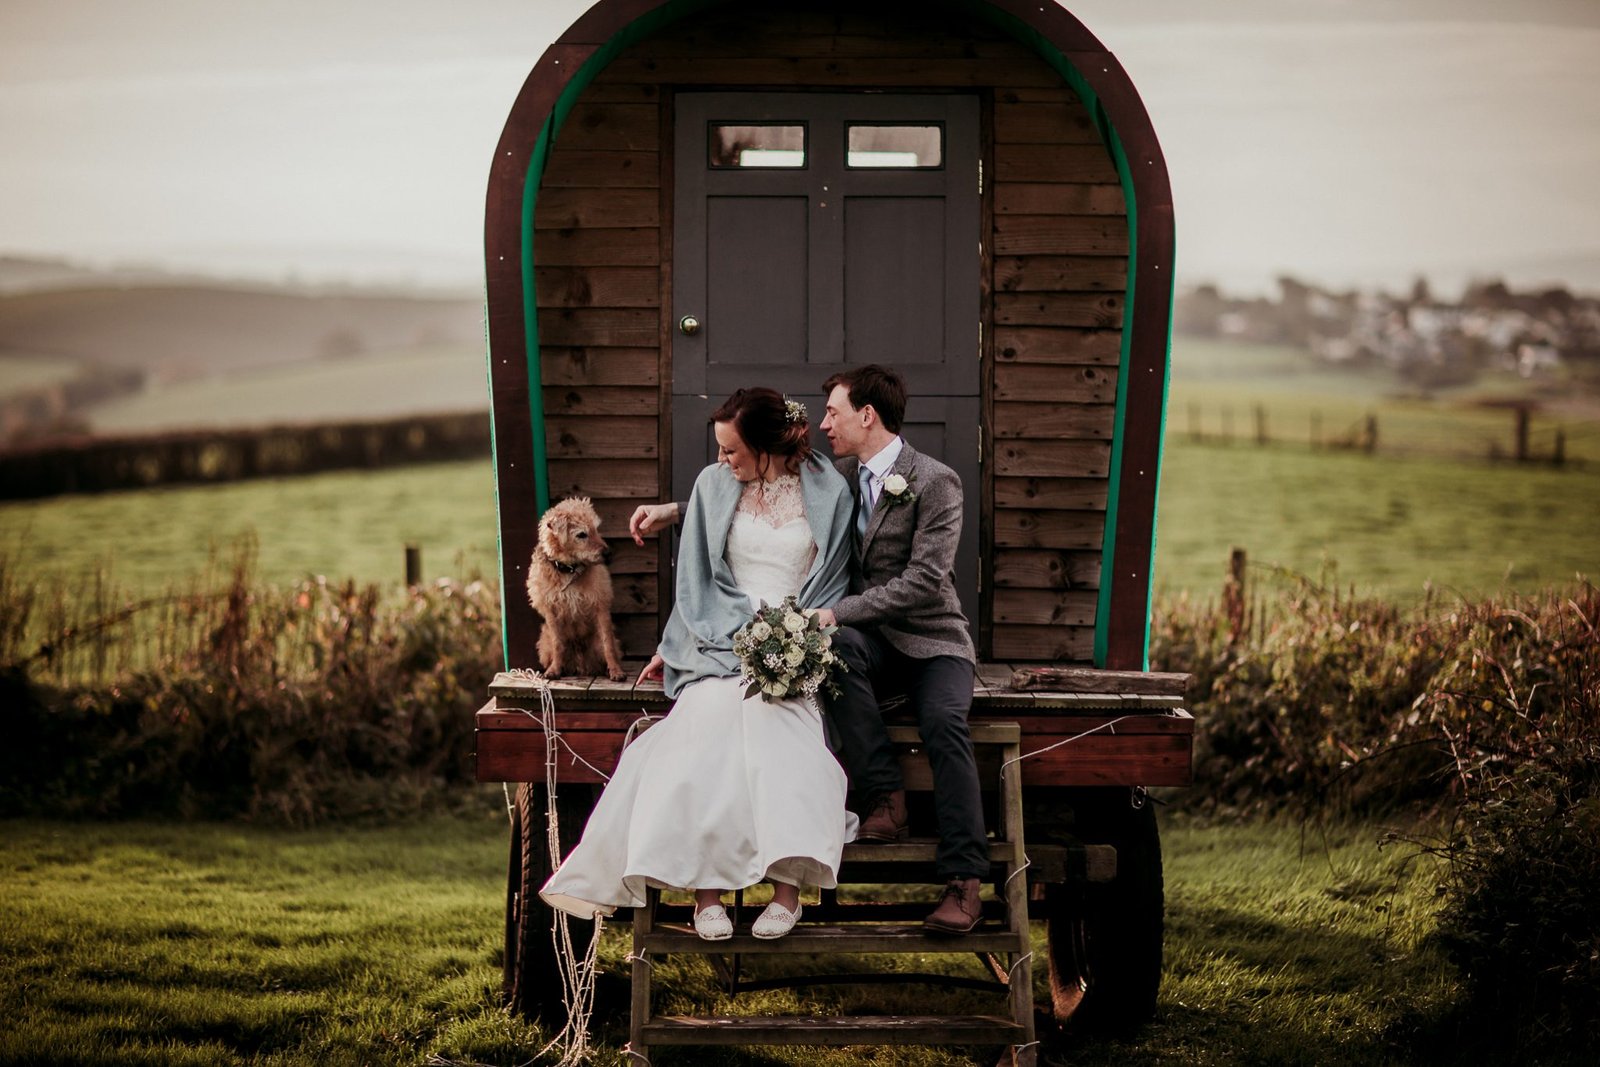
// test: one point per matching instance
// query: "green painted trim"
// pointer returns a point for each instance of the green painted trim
(640, 27)
(530, 316)
(1161, 453)
(1108, 549)
(494, 465)
(564, 104)
(1091, 100)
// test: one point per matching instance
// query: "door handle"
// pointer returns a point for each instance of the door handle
(689, 325)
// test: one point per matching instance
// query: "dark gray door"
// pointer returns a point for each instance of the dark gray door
(816, 231)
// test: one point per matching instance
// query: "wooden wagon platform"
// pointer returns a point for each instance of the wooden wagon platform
(1090, 728)
(1086, 742)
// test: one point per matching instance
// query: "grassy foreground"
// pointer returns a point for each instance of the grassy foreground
(209, 943)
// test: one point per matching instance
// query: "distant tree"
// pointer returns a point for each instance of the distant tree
(1558, 300)
(1493, 294)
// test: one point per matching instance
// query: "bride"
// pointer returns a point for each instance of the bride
(729, 791)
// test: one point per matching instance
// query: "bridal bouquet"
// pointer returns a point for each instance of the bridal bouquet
(786, 652)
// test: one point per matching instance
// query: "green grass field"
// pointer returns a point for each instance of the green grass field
(351, 524)
(1216, 387)
(20, 373)
(1391, 525)
(165, 944)
(1427, 508)
(377, 386)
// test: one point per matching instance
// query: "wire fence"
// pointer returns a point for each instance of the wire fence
(1515, 435)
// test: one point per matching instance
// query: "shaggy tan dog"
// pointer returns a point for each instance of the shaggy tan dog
(569, 585)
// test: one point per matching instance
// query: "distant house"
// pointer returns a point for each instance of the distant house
(1534, 360)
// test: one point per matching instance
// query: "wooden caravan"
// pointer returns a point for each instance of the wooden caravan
(694, 195)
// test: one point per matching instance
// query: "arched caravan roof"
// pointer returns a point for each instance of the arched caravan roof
(1055, 35)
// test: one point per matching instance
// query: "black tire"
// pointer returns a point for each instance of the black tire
(529, 978)
(1105, 939)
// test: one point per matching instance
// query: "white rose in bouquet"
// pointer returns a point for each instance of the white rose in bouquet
(784, 652)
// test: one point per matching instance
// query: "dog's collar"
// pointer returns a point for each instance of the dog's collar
(566, 568)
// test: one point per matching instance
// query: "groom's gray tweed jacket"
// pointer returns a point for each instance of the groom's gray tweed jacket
(904, 583)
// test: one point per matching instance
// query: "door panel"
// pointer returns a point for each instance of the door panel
(893, 302)
(799, 264)
(756, 256)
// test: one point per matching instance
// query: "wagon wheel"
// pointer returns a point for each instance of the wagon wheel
(1105, 938)
(529, 980)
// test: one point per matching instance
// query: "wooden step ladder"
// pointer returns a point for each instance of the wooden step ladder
(1002, 936)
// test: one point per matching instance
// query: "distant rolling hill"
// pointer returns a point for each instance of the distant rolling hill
(135, 350)
(185, 331)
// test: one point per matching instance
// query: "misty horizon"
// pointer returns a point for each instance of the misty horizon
(1349, 144)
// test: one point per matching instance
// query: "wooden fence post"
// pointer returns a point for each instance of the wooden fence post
(413, 566)
(1369, 435)
(1559, 456)
(1261, 424)
(1233, 597)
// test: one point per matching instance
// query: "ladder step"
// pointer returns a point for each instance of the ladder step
(822, 939)
(832, 1030)
(915, 850)
(875, 913)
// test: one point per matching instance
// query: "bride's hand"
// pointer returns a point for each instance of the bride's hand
(653, 670)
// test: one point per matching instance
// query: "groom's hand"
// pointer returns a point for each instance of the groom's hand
(647, 518)
(826, 617)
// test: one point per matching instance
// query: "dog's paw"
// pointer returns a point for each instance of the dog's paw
(553, 671)
(616, 674)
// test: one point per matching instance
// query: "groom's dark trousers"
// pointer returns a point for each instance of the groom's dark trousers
(940, 690)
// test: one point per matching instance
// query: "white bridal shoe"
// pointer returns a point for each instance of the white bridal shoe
(712, 923)
(776, 921)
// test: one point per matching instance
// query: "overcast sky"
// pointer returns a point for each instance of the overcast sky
(1347, 141)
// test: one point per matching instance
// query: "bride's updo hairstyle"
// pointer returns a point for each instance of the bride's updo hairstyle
(768, 424)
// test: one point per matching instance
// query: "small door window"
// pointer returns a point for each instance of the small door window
(894, 147)
(757, 147)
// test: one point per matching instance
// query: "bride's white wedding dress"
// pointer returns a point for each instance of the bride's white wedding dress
(726, 791)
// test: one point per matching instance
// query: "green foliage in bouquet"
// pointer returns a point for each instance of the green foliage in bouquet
(787, 652)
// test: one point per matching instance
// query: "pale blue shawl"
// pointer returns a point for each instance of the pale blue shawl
(710, 609)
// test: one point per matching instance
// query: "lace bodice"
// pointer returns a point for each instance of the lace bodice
(775, 502)
(769, 546)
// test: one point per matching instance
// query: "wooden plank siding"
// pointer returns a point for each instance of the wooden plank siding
(1061, 247)
(597, 246)
(1055, 241)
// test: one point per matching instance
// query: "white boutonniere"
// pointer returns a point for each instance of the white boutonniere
(897, 490)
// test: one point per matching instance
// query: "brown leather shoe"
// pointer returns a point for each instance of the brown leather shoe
(888, 819)
(959, 909)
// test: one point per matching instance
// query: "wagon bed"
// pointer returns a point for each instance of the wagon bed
(1111, 728)
(1088, 742)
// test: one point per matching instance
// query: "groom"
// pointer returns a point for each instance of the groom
(902, 622)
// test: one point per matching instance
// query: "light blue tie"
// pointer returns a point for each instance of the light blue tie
(864, 512)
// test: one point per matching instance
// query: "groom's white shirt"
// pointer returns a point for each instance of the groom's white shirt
(880, 466)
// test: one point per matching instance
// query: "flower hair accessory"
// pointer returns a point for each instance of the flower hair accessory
(795, 411)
